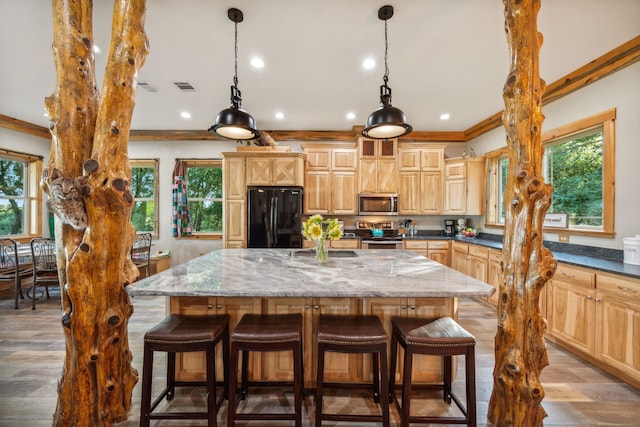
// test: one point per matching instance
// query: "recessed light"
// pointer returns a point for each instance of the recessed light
(368, 63)
(445, 116)
(185, 115)
(279, 115)
(351, 115)
(257, 62)
(96, 49)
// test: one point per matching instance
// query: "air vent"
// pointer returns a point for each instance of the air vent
(185, 86)
(147, 86)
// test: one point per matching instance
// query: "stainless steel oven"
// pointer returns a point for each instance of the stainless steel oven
(381, 244)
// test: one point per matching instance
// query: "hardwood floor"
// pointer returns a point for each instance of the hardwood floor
(32, 353)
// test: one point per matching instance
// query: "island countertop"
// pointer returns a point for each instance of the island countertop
(295, 273)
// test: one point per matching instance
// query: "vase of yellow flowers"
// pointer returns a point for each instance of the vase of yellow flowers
(318, 230)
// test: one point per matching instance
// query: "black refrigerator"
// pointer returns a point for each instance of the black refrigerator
(274, 217)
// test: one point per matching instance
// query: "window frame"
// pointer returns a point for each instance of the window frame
(604, 120)
(206, 163)
(149, 163)
(33, 209)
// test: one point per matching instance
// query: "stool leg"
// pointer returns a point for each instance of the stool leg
(233, 384)
(319, 384)
(171, 376)
(470, 367)
(211, 387)
(245, 374)
(392, 368)
(147, 375)
(384, 391)
(297, 382)
(406, 387)
(225, 362)
(446, 379)
(376, 377)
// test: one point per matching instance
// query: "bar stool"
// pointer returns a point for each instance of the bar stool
(179, 334)
(255, 332)
(442, 337)
(353, 334)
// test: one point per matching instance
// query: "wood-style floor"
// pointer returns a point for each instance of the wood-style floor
(32, 353)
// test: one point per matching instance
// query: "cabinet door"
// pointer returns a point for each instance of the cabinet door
(410, 196)
(477, 267)
(318, 160)
(368, 177)
(344, 197)
(259, 171)
(571, 315)
(455, 196)
(384, 309)
(409, 160)
(235, 217)
(317, 188)
(278, 365)
(236, 307)
(387, 176)
(338, 367)
(285, 171)
(494, 276)
(344, 159)
(192, 366)
(459, 257)
(234, 177)
(431, 160)
(439, 255)
(431, 193)
(618, 333)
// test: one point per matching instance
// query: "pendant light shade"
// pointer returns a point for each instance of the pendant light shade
(387, 121)
(233, 122)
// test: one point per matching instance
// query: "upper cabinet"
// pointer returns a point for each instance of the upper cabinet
(330, 179)
(464, 186)
(378, 165)
(272, 169)
(420, 179)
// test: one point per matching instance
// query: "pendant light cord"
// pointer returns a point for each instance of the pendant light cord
(385, 78)
(235, 76)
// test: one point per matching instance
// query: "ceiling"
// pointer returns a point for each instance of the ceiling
(445, 56)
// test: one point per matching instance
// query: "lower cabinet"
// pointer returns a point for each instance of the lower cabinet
(437, 250)
(494, 275)
(472, 260)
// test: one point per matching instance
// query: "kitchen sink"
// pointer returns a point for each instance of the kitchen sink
(339, 253)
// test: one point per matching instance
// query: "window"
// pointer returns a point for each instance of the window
(144, 186)
(579, 162)
(20, 194)
(204, 194)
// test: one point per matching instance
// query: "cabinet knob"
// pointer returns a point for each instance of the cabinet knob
(403, 307)
(589, 297)
(209, 306)
(306, 306)
(597, 300)
(316, 307)
(623, 289)
(219, 306)
(413, 307)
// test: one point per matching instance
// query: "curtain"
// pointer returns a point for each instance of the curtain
(181, 217)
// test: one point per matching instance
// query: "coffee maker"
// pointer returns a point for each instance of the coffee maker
(449, 229)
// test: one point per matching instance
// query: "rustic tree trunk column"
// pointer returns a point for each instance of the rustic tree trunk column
(520, 350)
(89, 139)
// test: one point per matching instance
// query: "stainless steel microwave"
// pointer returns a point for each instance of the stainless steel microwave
(377, 204)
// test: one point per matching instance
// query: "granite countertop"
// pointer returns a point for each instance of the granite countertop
(295, 273)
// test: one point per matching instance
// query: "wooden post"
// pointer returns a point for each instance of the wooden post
(520, 350)
(89, 148)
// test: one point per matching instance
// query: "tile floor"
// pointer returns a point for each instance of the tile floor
(32, 353)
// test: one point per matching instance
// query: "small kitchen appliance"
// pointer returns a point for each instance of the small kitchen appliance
(449, 229)
(632, 250)
(461, 225)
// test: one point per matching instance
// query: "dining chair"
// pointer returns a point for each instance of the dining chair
(45, 267)
(10, 268)
(141, 254)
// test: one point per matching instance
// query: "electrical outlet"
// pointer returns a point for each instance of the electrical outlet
(563, 238)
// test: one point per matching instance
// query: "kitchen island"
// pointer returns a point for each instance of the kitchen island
(381, 282)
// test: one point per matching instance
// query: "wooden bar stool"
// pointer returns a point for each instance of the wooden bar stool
(442, 337)
(179, 334)
(353, 334)
(255, 332)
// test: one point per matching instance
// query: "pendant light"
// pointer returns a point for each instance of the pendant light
(235, 123)
(387, 121)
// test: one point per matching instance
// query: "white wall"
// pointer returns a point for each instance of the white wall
(621, 91)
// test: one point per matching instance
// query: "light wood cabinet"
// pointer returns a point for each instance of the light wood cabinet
(472, 260)
(437, 250)
(464, 186)
(330, 179)
(345, 244)
(245, 168)
(494, 275)
(281, 170)
(420, 179)
(377, 168)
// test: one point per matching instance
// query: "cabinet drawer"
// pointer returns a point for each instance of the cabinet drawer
(495, 255)
(345, 244)
(438, 244)
(455, 171)
(461, 247)
(619, 286)
(575, 275)
(415, 244)
(479, 251)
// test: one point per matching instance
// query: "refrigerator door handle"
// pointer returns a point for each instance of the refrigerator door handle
(274, 221)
